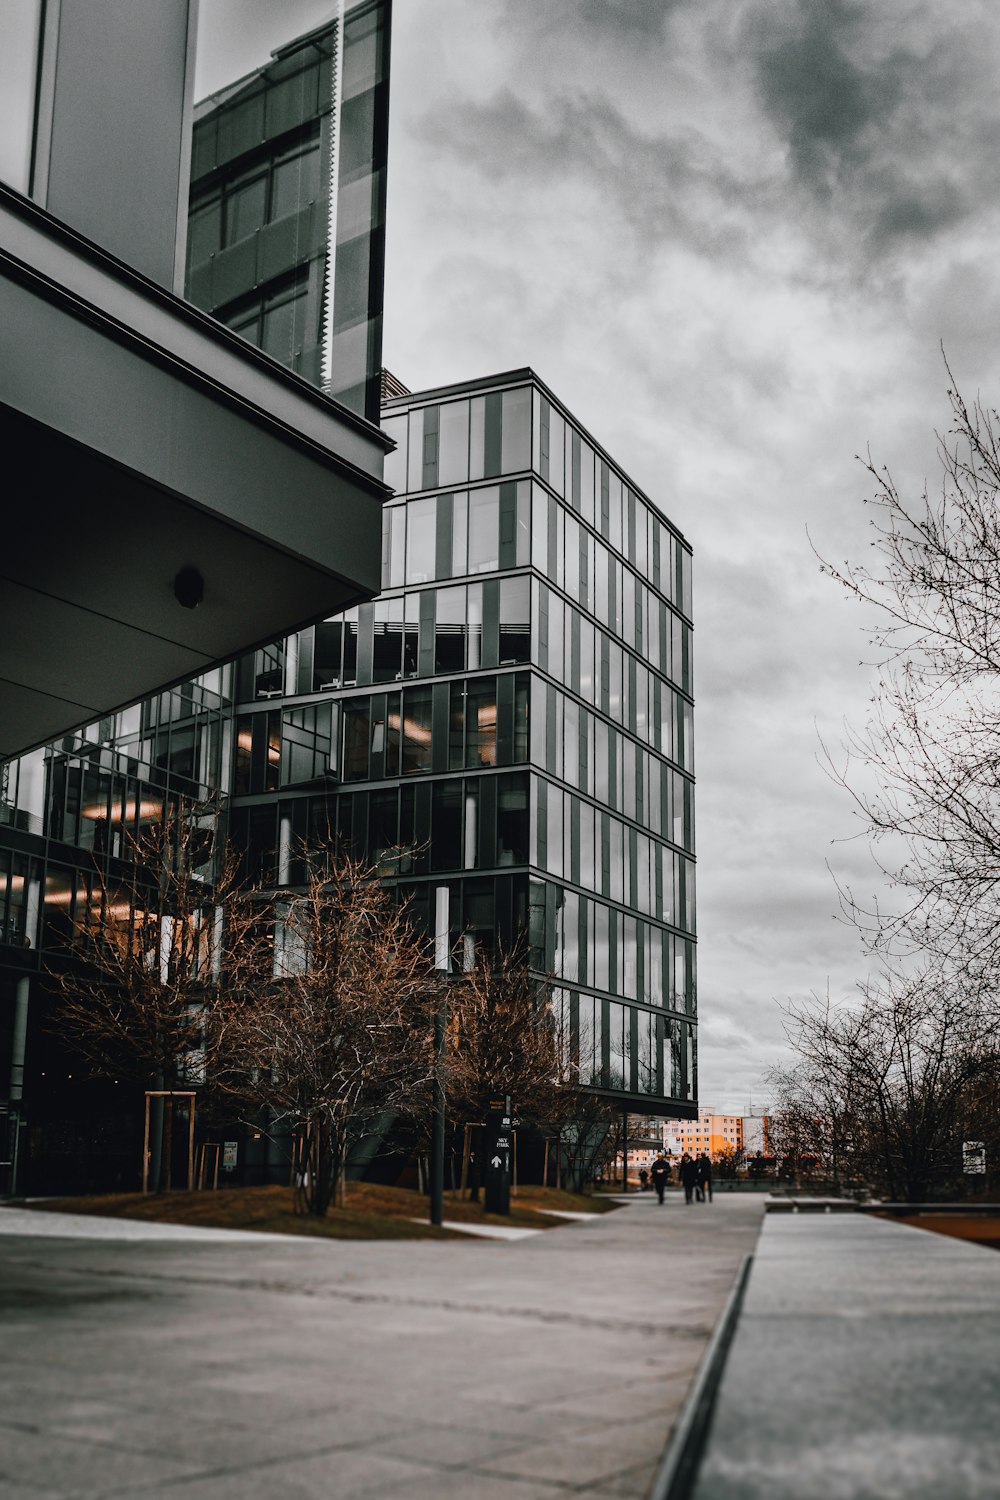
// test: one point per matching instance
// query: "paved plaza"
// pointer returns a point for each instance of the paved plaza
(204, 1367)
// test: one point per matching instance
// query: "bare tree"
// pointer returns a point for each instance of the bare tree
(503, 1038)
(338, 1028)
(141, 964)
(882, 1088)
(933, 740)
(591, 1133)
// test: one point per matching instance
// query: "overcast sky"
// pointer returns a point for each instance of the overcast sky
(731, 235)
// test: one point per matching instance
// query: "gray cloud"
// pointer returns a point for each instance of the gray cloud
(882, 133)
(826, 104)
(660, 184)
(630, 21)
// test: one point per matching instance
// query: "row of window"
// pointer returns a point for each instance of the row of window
(457, 535)
(463, 628)
(495, 527)
(69, 903)
(623, 1048)
(470, 723)
(482, 437)
(374, 825)
(457, 824)
(460, 441)
(104, 779)
(618, 684)
(590, 943)
(102, 801)
(579, 842)
(264, 192)
(576, 747)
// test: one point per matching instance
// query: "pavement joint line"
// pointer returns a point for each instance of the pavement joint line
(199, 1476)
(342, 1294)
(511, 1445)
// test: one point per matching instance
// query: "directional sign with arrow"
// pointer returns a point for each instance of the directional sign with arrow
(498, 1143)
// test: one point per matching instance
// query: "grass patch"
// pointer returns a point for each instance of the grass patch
(372, 1212)
(980, 1229)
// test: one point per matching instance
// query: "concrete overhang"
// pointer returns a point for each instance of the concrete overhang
(142, 438)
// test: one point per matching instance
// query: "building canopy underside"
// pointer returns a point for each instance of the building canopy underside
(143, 440)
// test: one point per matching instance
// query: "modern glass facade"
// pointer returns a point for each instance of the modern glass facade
(286, 248)
(512, 717)
(286, 234)
(67, 816)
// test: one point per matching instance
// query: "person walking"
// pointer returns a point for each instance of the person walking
(704, 1165)
(689, 1176)
(661, 1175)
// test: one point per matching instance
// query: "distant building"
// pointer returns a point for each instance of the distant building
(718, 1134)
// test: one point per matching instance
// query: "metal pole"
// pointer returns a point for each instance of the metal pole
(16, 1092)
(442, 963)
(437, 1139)
(625, 1151)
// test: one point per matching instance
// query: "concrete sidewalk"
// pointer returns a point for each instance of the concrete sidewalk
(864, 1367)
(307, 1370)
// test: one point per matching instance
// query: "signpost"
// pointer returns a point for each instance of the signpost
(974, 1157)
(497, 1141)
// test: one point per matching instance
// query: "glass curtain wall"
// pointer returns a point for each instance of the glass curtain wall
(286, 234)
(513, 717)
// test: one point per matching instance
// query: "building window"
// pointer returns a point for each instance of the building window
(268, 190)
(274, 320)
(415, 731)
(481, 722)
(450, 630)
(515, 621)
(512, 820)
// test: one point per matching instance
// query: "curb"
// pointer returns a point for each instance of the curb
(678, 1471)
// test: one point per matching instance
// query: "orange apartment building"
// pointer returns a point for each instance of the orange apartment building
(717, 1134)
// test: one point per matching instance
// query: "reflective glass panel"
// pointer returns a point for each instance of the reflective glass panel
(484, 530)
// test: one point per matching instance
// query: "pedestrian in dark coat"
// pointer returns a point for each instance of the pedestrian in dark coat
(660, 1175)
(689, 1176)
(704, 1165)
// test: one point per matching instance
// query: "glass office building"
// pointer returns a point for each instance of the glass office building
(280, 489)
(511, 718)
(286, 232)
(514, 713)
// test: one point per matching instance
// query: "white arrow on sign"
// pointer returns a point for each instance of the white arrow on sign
(496, 1162)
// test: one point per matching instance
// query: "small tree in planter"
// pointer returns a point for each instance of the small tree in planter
(502, 1039)
(336, 1026)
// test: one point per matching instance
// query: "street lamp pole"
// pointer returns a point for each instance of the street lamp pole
(437, 1133)
(442, 964)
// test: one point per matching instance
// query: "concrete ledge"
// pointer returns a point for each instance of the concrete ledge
(863, 1367)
